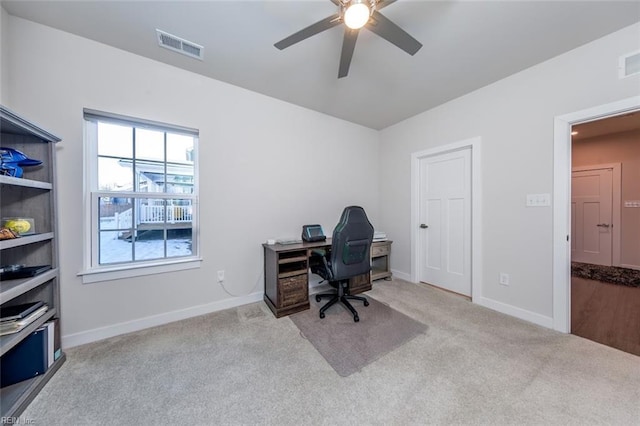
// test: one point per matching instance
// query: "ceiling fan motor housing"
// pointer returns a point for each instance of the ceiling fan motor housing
(371, 19)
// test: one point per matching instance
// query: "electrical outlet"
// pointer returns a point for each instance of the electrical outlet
(220, 276)
(504, 278)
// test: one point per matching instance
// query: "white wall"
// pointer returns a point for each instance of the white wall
(254, 147)
(266, 168)
(514, 117)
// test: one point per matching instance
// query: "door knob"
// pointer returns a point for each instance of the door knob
(423, 226)
(603, 225)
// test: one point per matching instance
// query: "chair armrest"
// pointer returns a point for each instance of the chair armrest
(320, 265)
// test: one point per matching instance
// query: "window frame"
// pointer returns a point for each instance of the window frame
(93, 271)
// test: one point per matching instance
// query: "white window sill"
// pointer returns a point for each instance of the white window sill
(137, 270)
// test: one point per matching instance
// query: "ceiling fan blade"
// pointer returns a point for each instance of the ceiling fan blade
(389, 31)
(311, 30)
(348, 46)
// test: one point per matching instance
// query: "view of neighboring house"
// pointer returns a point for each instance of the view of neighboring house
(147, 222)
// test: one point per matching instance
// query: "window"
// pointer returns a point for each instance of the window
(141, 192)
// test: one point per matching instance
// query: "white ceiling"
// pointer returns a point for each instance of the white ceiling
(467, 45)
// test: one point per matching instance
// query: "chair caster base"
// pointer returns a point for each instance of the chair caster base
(321, 314)
(318, 298)
(356, 318)
(366, 303)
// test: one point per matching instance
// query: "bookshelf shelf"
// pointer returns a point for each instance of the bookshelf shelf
(27, 183)
(23, 241)
(10, 340)
(32, 196)
(11, 289)
(15, 398)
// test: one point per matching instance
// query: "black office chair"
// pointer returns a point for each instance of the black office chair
(349, 258)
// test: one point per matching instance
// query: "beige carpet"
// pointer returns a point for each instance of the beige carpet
(243, 366)
(347, 345)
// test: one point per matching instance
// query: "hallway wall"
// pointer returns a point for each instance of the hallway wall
(621, 148)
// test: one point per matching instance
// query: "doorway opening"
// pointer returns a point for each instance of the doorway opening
(605, 231)
(561, 202)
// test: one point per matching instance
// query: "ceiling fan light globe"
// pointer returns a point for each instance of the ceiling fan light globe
(356, 15)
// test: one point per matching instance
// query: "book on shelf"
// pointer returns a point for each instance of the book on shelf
(53, 340)
(14, 326)
(33, 356)
(19, 271)
(17, 312)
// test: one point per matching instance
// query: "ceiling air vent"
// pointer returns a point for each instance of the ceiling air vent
(630, 64)
(180, 45)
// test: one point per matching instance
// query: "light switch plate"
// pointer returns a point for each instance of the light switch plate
(538, 200)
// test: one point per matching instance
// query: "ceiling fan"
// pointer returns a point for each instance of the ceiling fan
(356, 14)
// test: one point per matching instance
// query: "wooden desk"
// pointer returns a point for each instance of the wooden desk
(286, 274)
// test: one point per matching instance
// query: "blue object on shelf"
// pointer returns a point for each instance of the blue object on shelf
(11, 161)
(10, 155)
(26, 360)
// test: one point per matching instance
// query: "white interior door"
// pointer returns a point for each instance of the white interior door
(445, 218)
(591, 213)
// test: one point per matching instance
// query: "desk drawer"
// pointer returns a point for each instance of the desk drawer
(293, 290)
(380, 250)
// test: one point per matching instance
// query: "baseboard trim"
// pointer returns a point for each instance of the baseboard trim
(513, 311)
(629, 266)
(96, 334)
(504, 308)
(401, 275)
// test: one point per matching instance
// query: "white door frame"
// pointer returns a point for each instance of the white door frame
(616, 199)
(476, 210)
(562, 200)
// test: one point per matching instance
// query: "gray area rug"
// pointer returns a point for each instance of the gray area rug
(347, 345)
